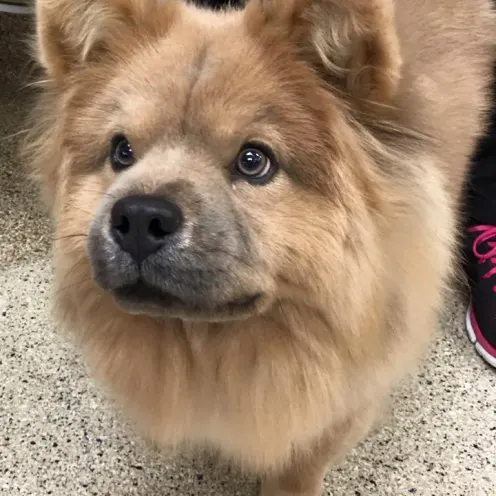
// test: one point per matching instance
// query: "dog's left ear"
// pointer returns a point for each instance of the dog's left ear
(71, 34)
(353, 42)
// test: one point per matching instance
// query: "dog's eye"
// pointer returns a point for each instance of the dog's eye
(121, 153)
(254, 164)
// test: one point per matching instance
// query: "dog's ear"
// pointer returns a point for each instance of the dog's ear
(71, 33)
(353, 42)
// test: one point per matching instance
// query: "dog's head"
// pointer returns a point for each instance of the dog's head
(204, 164)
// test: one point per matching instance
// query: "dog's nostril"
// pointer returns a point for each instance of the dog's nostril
(157, 228)
(122, 225)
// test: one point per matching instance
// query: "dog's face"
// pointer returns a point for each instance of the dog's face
(202, 149)
(207, 170)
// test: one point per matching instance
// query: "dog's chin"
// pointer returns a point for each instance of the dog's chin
(143, 299)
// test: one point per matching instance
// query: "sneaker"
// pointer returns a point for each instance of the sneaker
(480, 266)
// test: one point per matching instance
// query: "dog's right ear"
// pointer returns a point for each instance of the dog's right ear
(74, 33)
(352, 43)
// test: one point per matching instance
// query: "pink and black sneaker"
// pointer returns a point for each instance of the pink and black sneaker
(480, 267)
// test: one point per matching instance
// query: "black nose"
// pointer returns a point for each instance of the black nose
(142, 224)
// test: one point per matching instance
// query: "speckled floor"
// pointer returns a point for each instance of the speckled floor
(59, 437)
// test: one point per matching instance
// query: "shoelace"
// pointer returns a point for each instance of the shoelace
(487, 237)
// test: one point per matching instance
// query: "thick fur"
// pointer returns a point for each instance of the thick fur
(373, 108)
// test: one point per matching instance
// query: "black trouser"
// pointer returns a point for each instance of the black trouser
(481, 189)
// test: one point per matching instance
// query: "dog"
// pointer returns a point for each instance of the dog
(255, 209)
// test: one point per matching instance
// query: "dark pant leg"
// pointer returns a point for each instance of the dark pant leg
(481, 189)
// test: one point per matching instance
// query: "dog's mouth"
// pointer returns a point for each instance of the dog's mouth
(141, 297)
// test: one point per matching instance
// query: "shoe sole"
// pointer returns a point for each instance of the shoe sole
(489, 359)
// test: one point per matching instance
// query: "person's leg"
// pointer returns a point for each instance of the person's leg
(481, 200)
(480, 245)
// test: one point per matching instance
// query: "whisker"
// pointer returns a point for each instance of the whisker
(69, 286)
(75, 267)
(37, 83)
(15, 135)
(227, 254)
(99, 192)
(79, 209)
(69, 236)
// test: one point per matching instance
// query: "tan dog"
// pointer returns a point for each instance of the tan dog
(255, 210)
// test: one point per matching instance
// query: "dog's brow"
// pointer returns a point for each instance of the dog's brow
(198, 66)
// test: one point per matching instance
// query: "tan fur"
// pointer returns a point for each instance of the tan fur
(373, 107)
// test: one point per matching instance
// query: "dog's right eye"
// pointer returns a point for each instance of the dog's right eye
(121, 153)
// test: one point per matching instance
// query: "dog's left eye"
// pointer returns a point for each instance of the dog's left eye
(121, 153)
(254, 164)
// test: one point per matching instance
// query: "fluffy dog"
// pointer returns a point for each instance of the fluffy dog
(255, 209)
